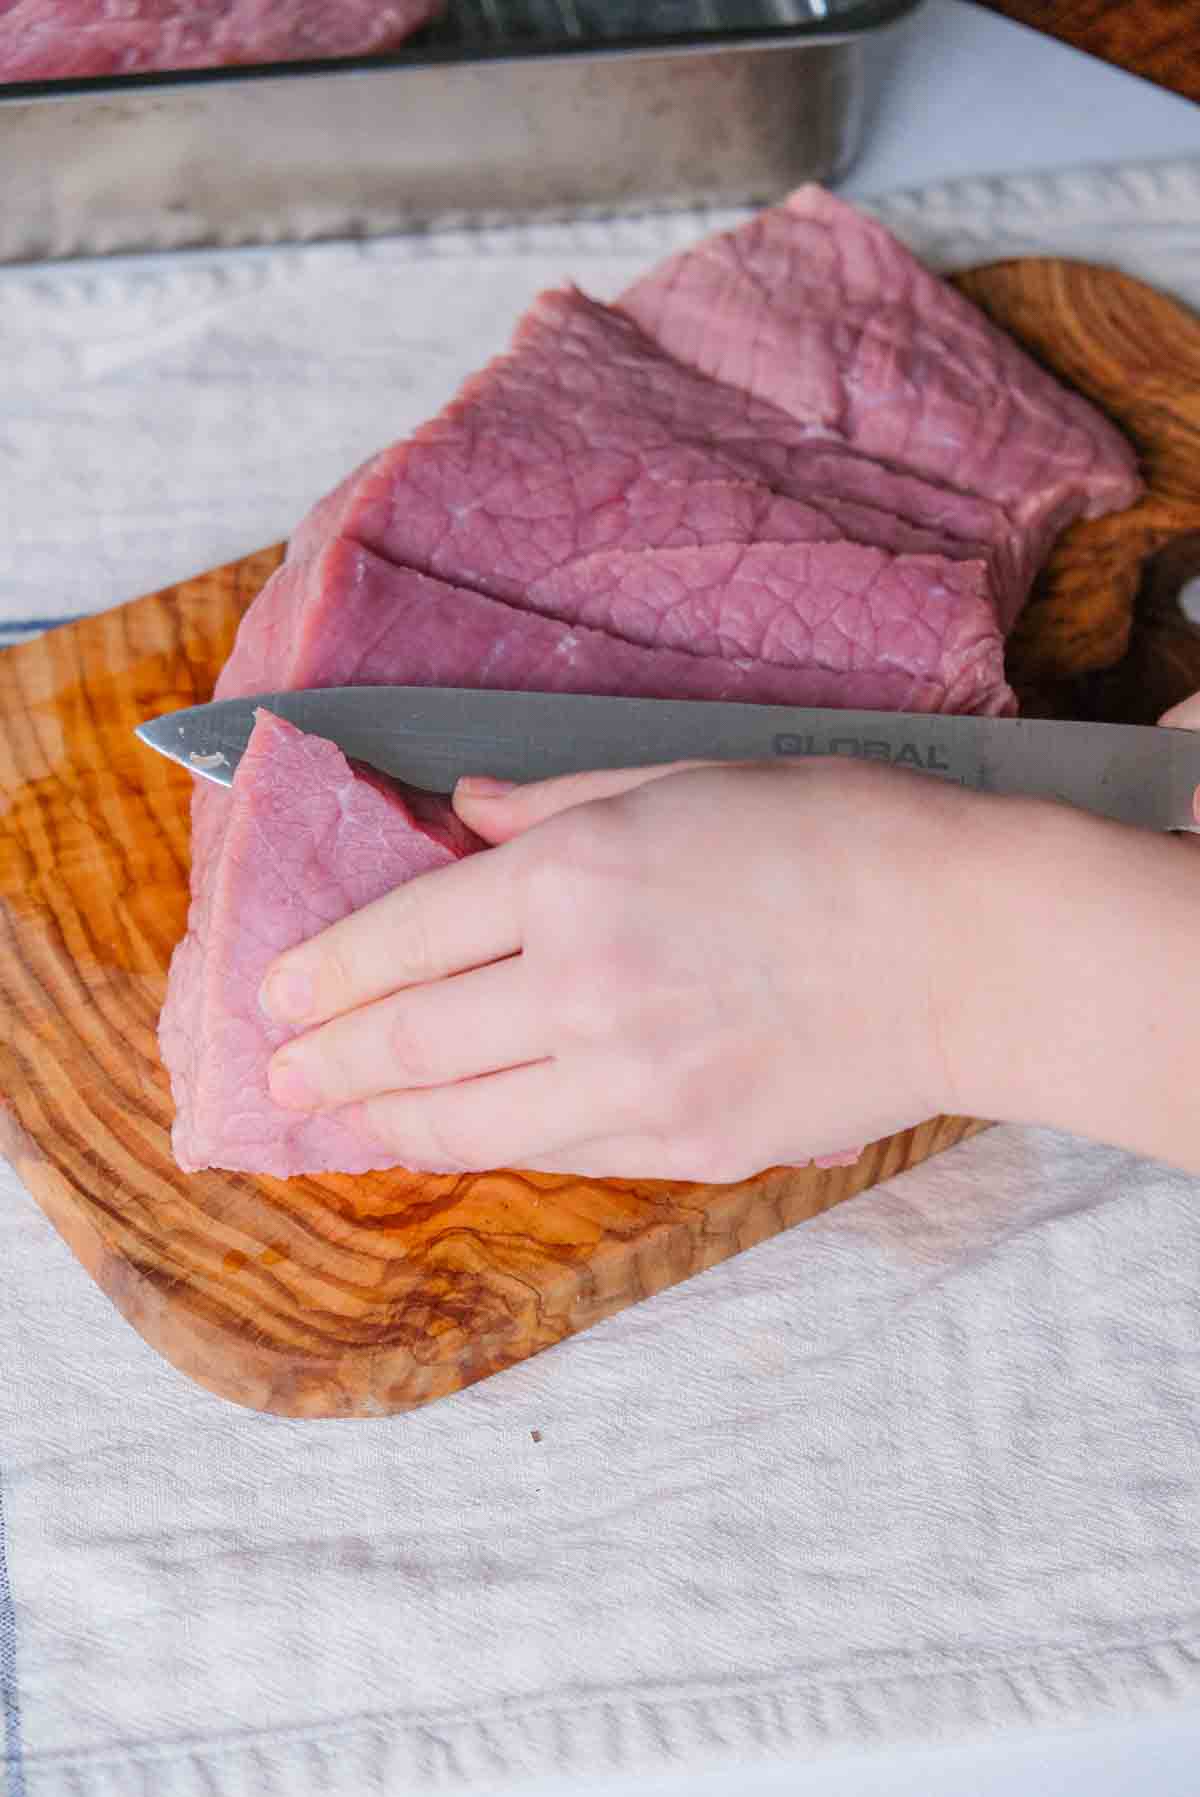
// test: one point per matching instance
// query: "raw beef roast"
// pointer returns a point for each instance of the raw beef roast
(60, 40)
(790, 468)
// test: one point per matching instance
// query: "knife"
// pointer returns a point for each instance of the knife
(429, 736)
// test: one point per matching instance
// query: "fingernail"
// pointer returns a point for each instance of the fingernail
(482, 786)
(287, 995)
(289, 1087)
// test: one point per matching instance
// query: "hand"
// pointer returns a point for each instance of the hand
(690, 972)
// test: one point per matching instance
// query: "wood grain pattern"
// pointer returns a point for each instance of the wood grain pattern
(1137, 355)
(340, 1296)
(1157, 39)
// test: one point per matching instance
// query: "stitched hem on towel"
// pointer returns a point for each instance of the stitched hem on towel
(658, 1728)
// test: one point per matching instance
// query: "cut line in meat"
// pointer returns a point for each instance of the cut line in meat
(586, 437)
(347, 617)
(819, 310)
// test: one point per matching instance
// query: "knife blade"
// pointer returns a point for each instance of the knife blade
(430, 736)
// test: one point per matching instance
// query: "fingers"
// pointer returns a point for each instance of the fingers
(524, 1117)
(649, 1157)
(430, 1035)
(615, 1157)
(438, 924)
(551, 1117)
(498, 812)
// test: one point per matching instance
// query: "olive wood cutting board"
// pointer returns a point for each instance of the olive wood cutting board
(358, 1296)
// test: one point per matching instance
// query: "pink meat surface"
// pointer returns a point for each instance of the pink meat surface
(593, 515)
(828, 609)
(586, 437)
(58, 40)
(911, 641)
(820, 311)
(302, 839)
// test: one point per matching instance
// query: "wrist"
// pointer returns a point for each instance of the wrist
(1019, 980)
(1074, 988)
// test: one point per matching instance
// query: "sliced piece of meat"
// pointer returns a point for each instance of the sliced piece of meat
(837, 607)
(585, 437)
(302, 839)
(58, 40)
(901, 636)
(819, 310)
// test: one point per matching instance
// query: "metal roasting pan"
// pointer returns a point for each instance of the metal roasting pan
(502, 110)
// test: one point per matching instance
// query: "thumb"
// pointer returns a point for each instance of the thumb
(1184, 716)
(498, 810)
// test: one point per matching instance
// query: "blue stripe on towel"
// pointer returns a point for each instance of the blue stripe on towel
(31, 626)
(14, 1784)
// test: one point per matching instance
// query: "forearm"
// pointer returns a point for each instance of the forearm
(1078, 1003)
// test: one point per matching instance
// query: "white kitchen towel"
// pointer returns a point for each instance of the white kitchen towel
(928, 1466)
(925, 1467)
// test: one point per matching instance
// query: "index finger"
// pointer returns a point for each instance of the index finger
(500, 811)
(443, 922)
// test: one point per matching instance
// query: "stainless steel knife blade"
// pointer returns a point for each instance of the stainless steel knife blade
(430, 736)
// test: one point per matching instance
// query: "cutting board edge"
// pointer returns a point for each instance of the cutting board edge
(367, 1382)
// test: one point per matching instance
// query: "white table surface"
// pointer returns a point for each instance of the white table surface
(971, 94)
